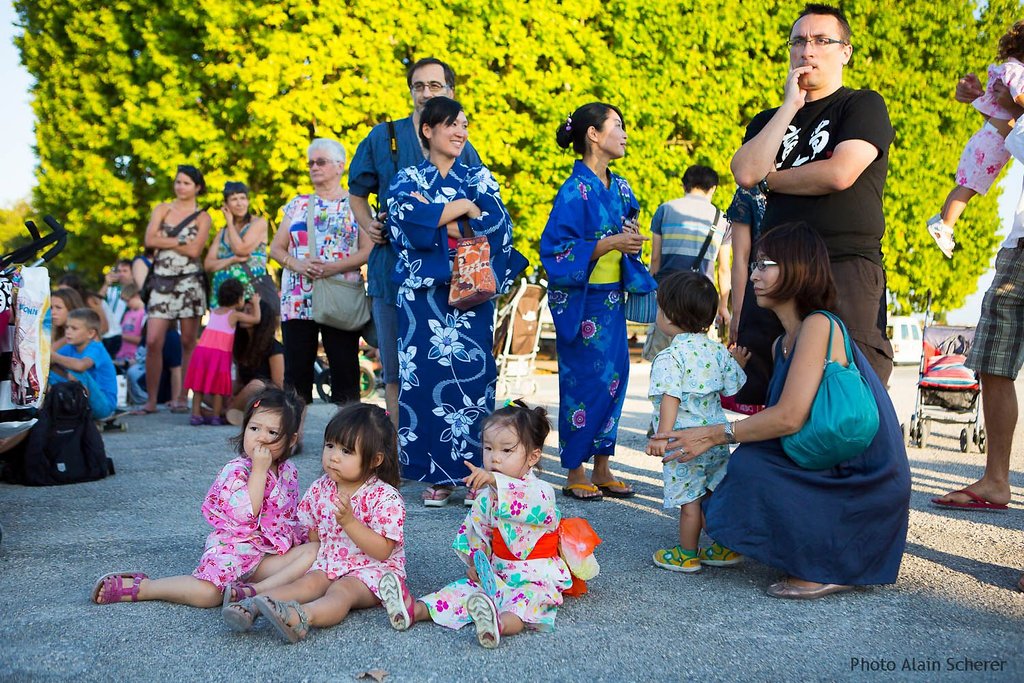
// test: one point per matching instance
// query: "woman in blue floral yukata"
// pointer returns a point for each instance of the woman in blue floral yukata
(447, 371)
(590, 250)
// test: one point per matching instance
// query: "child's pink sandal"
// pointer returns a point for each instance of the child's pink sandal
(110, 587)
(484, 614)
(397, 601)
(236, 591)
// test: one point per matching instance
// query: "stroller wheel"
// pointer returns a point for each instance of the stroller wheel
(924, 430)
(965, 443)
(906, 433)
(982, 440)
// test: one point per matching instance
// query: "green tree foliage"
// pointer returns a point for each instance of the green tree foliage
(13, 232)
(127, 90)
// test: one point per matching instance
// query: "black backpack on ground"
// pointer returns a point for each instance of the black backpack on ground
(64, 446)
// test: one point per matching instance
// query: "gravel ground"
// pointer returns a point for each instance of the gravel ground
(953, 614)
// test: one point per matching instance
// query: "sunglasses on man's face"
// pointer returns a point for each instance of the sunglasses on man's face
(320, 162)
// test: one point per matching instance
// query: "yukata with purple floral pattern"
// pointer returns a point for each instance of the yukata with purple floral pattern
(240, 539)
(447, 372)
(522, 511)
(590, 325)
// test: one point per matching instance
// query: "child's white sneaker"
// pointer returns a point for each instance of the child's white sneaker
(942, 234)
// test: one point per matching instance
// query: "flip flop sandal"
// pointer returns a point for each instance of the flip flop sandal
(143, 411)
(395, 597)
(484, 614)
(236, 591)
(569, 492)
(436, 496)
(240, 616)
(277, 613)
(976, 502)
(606, 489)
(485, 572)
(110, 587)
(178, 408)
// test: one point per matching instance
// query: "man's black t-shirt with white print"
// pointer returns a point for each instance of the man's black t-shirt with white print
(850, 221)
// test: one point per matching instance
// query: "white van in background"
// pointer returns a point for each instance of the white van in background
(907, 340)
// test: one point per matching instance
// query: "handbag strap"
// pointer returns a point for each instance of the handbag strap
(173, 232)
(310, 229)
(707, 242)
(832, 320)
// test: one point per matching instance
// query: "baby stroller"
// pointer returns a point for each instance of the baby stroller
(15, 418)
(948, 392)
(517, 339)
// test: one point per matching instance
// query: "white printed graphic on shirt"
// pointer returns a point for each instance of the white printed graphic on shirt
(819, 139)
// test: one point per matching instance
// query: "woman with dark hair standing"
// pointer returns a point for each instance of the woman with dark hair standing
(239, 250)
(447, 372)
(177, 231)
(828, 529)
(590, 249)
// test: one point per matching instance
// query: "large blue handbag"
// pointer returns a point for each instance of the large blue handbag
(844, 416)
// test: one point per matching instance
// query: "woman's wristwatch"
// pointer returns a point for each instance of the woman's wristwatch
(763, 185)
(730, 436)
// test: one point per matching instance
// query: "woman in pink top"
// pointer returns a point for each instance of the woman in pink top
(209, 372)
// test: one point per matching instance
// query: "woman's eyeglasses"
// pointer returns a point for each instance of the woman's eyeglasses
(761, 265)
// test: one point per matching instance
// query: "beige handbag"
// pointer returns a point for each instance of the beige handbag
(340, 304)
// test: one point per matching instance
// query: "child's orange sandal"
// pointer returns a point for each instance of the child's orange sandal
(110, 587)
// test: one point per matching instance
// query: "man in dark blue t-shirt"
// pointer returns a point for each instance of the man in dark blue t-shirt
(389, 147)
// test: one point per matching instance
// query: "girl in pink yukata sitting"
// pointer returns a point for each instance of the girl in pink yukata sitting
(509, 541)
(357, 514)
(985, 153)
(252, 509)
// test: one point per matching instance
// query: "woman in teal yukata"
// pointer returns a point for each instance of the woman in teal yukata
(590, 249)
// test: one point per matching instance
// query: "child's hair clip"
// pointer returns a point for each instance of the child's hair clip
(256, 404)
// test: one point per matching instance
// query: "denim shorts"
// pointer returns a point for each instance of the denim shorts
(385, 319)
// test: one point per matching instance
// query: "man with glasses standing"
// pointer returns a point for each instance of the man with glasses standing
(391, 146)
(822, 157)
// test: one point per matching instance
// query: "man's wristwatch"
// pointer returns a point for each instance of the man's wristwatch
(182, 239)
(730, 437)
(763, 185)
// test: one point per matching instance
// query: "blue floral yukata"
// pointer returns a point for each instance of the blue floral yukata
(447, 371)
(590, 326)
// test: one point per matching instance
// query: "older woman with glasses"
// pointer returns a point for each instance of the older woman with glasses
(319, 238)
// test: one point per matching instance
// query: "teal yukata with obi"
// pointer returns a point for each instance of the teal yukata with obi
(590, 325)
(698, 371)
